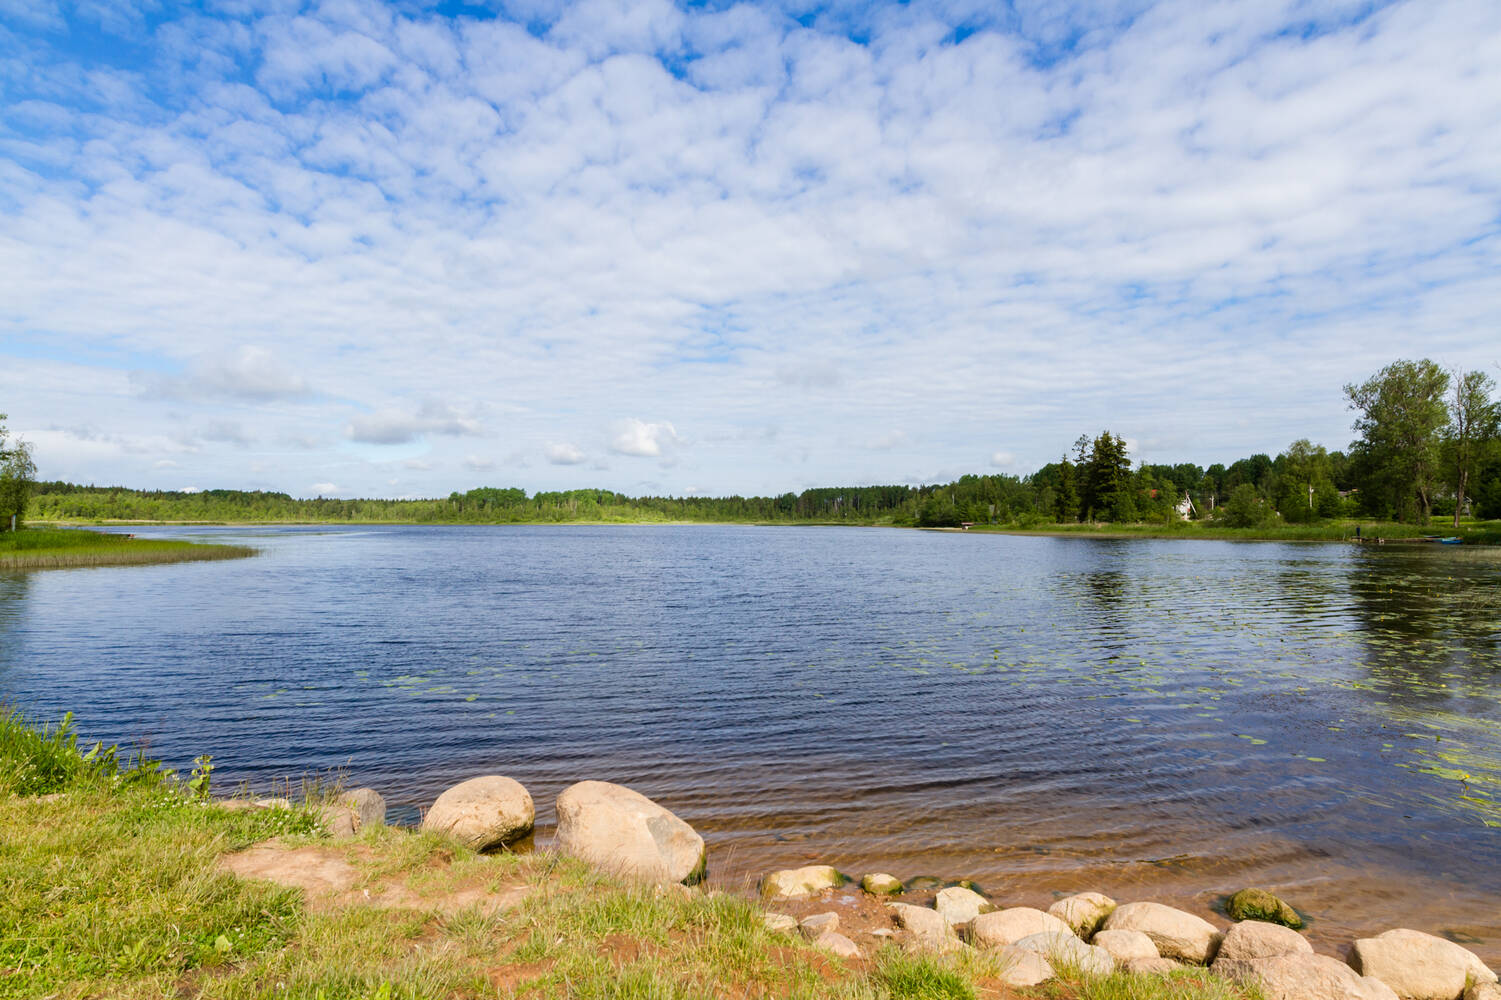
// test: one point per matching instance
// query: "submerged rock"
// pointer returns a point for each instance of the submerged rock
(1176, 934)
(483, 813)
(1084, 911)
(1419, 966)
(622, 831)
(881, 884)
(1259, 904)
(793, 882)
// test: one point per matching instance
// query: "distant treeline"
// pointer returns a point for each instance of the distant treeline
(1430, 443)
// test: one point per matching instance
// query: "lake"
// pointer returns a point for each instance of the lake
(1147, 718)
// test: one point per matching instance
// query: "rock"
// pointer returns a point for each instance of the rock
(1258, 939)
(1066, 950)
(1125, 945)
(881, 884)
(779, 923)
(793, 882)
(1150, 966)
(1419, 966)
(1003, 927)
(1023, 968)
(368, 806)
(1483, 991)
(483, 813)
(1176, 934)
(336, 820)
(1258, 904)
(882, 932)
(959, 906)
(1303, 976)
(838, 944)
(236, 805)
(926, 929)
(818, 923)
(274, 802)
(622, 831)
(1083, 912)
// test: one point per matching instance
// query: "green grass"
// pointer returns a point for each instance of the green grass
(63, 548)
(110, 885)
(1473, 532)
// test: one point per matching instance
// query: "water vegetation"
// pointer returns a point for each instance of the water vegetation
(63, 548)
(111, 885)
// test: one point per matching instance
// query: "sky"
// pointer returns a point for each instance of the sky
(398, 249)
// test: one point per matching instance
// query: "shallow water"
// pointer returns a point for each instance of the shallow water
(1151, 719)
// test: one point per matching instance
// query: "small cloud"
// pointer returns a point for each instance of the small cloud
(474, 463)
(1003, 459)
(165, 463)
(191, 489)
(641, 439)
(324, 489)
(565, 454)
(252, 373)
(814, 376)
(392, 426)
(226, 432)
(889, 441)
(417, 465)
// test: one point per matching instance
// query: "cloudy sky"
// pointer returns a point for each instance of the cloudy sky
(398, 249)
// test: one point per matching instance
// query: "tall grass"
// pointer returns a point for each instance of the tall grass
(38, 759)
(59, 548)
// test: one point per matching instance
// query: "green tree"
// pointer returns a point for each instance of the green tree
(1066, 500)
(1473, 420)
(1109, 487)
(17, 476)
(1402, 413)
(1244, 509)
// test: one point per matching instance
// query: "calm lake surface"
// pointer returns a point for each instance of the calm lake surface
(1151, 719)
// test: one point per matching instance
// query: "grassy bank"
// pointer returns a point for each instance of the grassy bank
(1471, 532)
(59, 548)
(111, 884)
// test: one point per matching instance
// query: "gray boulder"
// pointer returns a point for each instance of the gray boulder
(1125, 945)
(622, 831)
(1084, 911)
(1021, 968)
(1258, 939)
(1066, 950)
(483, 813)
(1176, 934)
(1005, 927)
(926, 929)
(959, 905)
(1303, 976)
(1419, 966)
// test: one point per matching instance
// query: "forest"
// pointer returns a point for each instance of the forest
(1429, 446)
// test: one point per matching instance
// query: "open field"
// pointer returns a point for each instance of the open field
(112, 884)
(58, 548)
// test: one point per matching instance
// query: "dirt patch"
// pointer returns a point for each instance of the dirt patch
(329, 878)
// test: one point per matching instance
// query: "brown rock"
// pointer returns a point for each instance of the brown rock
(622, 831)
(1302, 977)
(1259, 939)
(1176, 934)
(1125, 945)
(483, 813)
(1003, 927)
(1419, 966)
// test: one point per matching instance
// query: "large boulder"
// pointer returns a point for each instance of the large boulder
(1176, 934)
(1483, 991)
(926, 929)
(1259, 904)
(1021, 968)
(352, 812)
(1004, 927)
(1258, 939)
(793, 882)
(624, 832)
(959, 905)
(1419, 966)
(1125, 945)
(1084, 912)
(1066, 950)
(1304, 976)
(484, 813)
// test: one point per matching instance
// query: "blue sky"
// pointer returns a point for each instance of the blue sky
(357, 248)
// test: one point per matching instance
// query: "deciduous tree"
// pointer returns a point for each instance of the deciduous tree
(1402, 414)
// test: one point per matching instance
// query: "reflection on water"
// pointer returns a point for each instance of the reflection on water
(1146, 718)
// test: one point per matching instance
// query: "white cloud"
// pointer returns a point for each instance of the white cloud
(396, 426)
(641, 439)
(249, 372)
(1003, 459)
(478, 463)
(565, 454)
(325, 489)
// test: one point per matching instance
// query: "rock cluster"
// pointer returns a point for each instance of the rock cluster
(1090, 932)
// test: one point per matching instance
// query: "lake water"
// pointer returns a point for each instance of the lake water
(1151, 719)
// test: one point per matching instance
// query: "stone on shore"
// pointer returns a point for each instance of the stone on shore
(1258, 939)
(1125, 945)
(959, 906)
(1176, 934)
(1022, 968)
(1084, 912)
(1156, 966)
(779, 923)
(838, 944)
(926, 929)
(484, 813)
(818, 923)
(352, 812)
(1419, 966)
(881, 884)
(1304, 976)
(622, 831)
(1259, 904)
(793, 882)
(1067, 949)
(1004, 927)
(1483, 991)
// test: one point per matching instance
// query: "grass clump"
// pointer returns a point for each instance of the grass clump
(67, 548)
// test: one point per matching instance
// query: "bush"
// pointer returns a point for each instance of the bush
(1244, 509)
